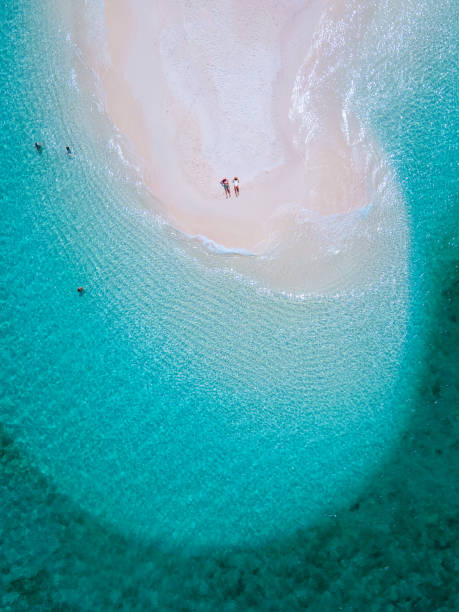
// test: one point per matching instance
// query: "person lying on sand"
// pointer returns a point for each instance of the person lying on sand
(236, 186)
(226, 186)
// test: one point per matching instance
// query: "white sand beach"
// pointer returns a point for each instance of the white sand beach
(206, 90)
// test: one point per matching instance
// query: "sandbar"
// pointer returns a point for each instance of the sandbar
(206, 90)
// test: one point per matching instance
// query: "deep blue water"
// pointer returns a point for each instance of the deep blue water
(176, 438)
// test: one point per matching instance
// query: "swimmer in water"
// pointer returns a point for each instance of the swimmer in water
(69, 152)
(80, 290)
(236, 186)
(38, 146)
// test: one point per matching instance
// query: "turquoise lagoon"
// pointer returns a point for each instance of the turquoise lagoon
(184, 436)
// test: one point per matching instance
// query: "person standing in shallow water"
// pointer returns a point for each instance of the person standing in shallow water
(236, 186)
(226, 186)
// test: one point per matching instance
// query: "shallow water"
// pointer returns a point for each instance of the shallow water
(178, 376)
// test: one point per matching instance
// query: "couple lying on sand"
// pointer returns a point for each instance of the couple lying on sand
(226, 186)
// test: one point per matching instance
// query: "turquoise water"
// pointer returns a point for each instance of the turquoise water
(179, 437)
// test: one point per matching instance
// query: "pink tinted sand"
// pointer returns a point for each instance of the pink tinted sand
(203, 91)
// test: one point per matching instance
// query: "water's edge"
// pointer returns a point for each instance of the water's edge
(393, 547)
